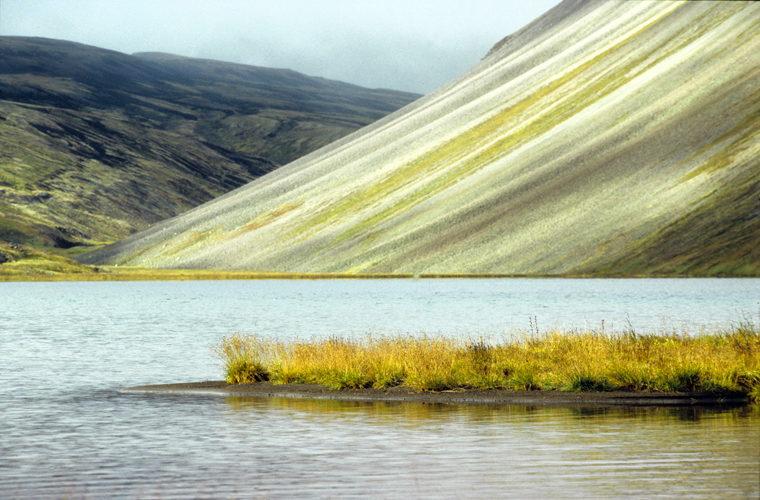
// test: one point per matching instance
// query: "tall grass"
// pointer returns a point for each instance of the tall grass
(720, 362)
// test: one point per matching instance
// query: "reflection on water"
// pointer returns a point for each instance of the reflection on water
(408, 413)
(114, 445)
(521, 452)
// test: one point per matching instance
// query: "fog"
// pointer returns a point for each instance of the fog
(415, 46)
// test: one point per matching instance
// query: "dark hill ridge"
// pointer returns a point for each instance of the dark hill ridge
(605, 138)
(95, 144)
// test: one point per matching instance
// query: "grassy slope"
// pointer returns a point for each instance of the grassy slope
(606, 138)
(95, 145)
(26, 263)
(720, 237)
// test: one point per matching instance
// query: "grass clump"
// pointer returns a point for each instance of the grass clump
(588, 381)
(244, 359)
(726, 362)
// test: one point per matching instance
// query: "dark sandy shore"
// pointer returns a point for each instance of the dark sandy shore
(495, 397)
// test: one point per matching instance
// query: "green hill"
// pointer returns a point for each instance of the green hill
(96, 145)
(605, 138)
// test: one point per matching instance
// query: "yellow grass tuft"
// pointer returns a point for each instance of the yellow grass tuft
(722, 362)
(243, 359)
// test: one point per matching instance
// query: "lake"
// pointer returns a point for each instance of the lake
(67, 432)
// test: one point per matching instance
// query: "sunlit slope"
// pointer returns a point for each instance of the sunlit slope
(604, 137)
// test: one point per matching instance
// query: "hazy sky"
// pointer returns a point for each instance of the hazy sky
(413, 45)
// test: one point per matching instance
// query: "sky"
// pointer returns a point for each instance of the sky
(411, 45)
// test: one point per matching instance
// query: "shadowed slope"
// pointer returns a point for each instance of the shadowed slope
(95, 144)
(592, 141)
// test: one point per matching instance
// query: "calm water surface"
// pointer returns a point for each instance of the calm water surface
(67, 431)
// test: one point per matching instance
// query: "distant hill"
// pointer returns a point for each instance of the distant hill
(96, 145)
(605, 138)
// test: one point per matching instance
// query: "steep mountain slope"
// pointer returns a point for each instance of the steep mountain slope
(95, 144)
(605, 137)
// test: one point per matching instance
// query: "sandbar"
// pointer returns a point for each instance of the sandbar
(466, 396)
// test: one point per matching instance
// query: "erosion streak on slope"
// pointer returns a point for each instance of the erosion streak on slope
(511, 128)
(743, 136)
(550, 116)
(567, 149)
(497, 136)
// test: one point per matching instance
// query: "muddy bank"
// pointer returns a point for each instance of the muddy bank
(492, 397)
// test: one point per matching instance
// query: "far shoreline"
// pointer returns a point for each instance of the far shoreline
(467, 397)
(114, 273)
(19, 263)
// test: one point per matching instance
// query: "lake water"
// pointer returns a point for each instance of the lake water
(67, 432)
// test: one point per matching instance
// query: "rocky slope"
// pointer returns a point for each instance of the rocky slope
(603, 138)
(95, 144)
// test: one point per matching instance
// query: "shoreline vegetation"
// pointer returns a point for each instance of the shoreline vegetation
(721, 364)
(26, 263)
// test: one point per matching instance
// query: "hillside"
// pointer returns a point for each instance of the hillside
(96, 145)
(605, 138)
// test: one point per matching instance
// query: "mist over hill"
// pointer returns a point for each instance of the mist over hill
(606, 138)
(96, 145)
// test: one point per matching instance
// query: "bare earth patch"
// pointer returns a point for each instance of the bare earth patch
(477, 397)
